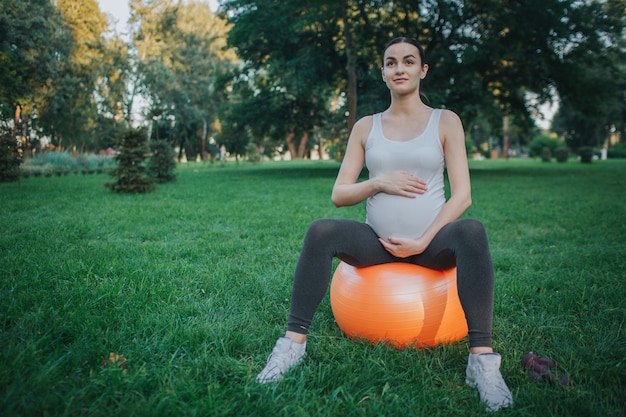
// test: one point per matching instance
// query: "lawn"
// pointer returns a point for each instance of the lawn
(167, 304)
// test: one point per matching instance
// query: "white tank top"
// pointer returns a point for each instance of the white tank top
(397, 216)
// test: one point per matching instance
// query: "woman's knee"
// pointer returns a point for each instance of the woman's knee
(471, 226)
(321, 229)
(469, 230)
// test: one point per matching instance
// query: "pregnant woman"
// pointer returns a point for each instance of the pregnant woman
(408, 219)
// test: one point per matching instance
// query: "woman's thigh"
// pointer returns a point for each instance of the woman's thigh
(351, 241)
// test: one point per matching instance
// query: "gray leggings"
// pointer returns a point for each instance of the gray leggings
(462, 243)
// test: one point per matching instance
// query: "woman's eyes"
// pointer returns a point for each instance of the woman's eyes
(392, 63)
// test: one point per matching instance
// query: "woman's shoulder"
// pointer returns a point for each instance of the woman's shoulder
(450, 128)
(363, 126)
(449, 117)
(365, 122)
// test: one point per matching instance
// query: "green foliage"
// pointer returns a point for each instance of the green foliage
(592, 97)
(482, 65)
(71, 110)
(302, 65)
(586, 154)
(252, 153)
(60, 163)
(131, 172)
(162, 162)
(539, 143)
(470, 148)
(617, 151)
(10, 157)
(561, 154)
(234, 136)
(337, 150)
(285, 91)
(97, 163)
(67, 79)
(34, 42)
(183, 59)
(168, 303)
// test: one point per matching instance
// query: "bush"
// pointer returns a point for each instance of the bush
(586, 154)
(562, 154)
(470, 148)
(546, 154)
(252, 152)
(131, 172)
(617, 151)
(538, 144)
(162, 163)
(55, 158)
(91, 163)
(10, 158)
(62, 163)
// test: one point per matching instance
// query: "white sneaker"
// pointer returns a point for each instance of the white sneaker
(483, 373)
(285, 354)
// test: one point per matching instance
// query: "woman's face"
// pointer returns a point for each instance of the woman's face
(402, 68)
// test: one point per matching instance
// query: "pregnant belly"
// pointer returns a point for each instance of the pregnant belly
(396, 216)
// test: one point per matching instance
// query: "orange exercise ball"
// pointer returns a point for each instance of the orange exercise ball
(398, 303)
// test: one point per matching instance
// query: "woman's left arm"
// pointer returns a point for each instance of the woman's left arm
(453, 141)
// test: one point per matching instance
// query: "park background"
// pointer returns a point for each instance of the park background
(289, 79)
(167, 302)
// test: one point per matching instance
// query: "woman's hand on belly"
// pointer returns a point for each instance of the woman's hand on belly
(401, 183)
(403, 247)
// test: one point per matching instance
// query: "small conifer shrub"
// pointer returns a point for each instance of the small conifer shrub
(562, 154)
(162, 163)
(10, 157)
(131, 174)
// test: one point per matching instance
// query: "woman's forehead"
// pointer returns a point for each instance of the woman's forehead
(401, 50)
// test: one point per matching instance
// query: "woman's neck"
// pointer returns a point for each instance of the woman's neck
(406, 105)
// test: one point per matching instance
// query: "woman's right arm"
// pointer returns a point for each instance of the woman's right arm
(348, 192)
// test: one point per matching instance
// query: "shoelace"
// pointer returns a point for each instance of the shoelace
(494, 379)
(281, 359)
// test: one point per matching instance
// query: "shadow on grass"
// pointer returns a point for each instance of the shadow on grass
(294, 170)
(516, 168)
(522, 168)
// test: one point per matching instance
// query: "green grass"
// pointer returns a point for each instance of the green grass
(190, 286)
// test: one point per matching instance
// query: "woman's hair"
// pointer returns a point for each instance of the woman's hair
(413, 42)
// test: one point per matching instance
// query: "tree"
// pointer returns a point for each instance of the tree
(34, 42)
(485, 56)
(72, 109)
(10, 156)
(131, 173)
(592, 76)
(293, 44)
(55, 65)
(113, 92)
(161, 164)
(181, 55)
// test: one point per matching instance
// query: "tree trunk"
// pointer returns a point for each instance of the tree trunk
(297, 152)
(204, 133)
(291, 144)
(181, 150)
(505, 136)
(350, 66)
(320, 148)
(16, 125)
(302, 147)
